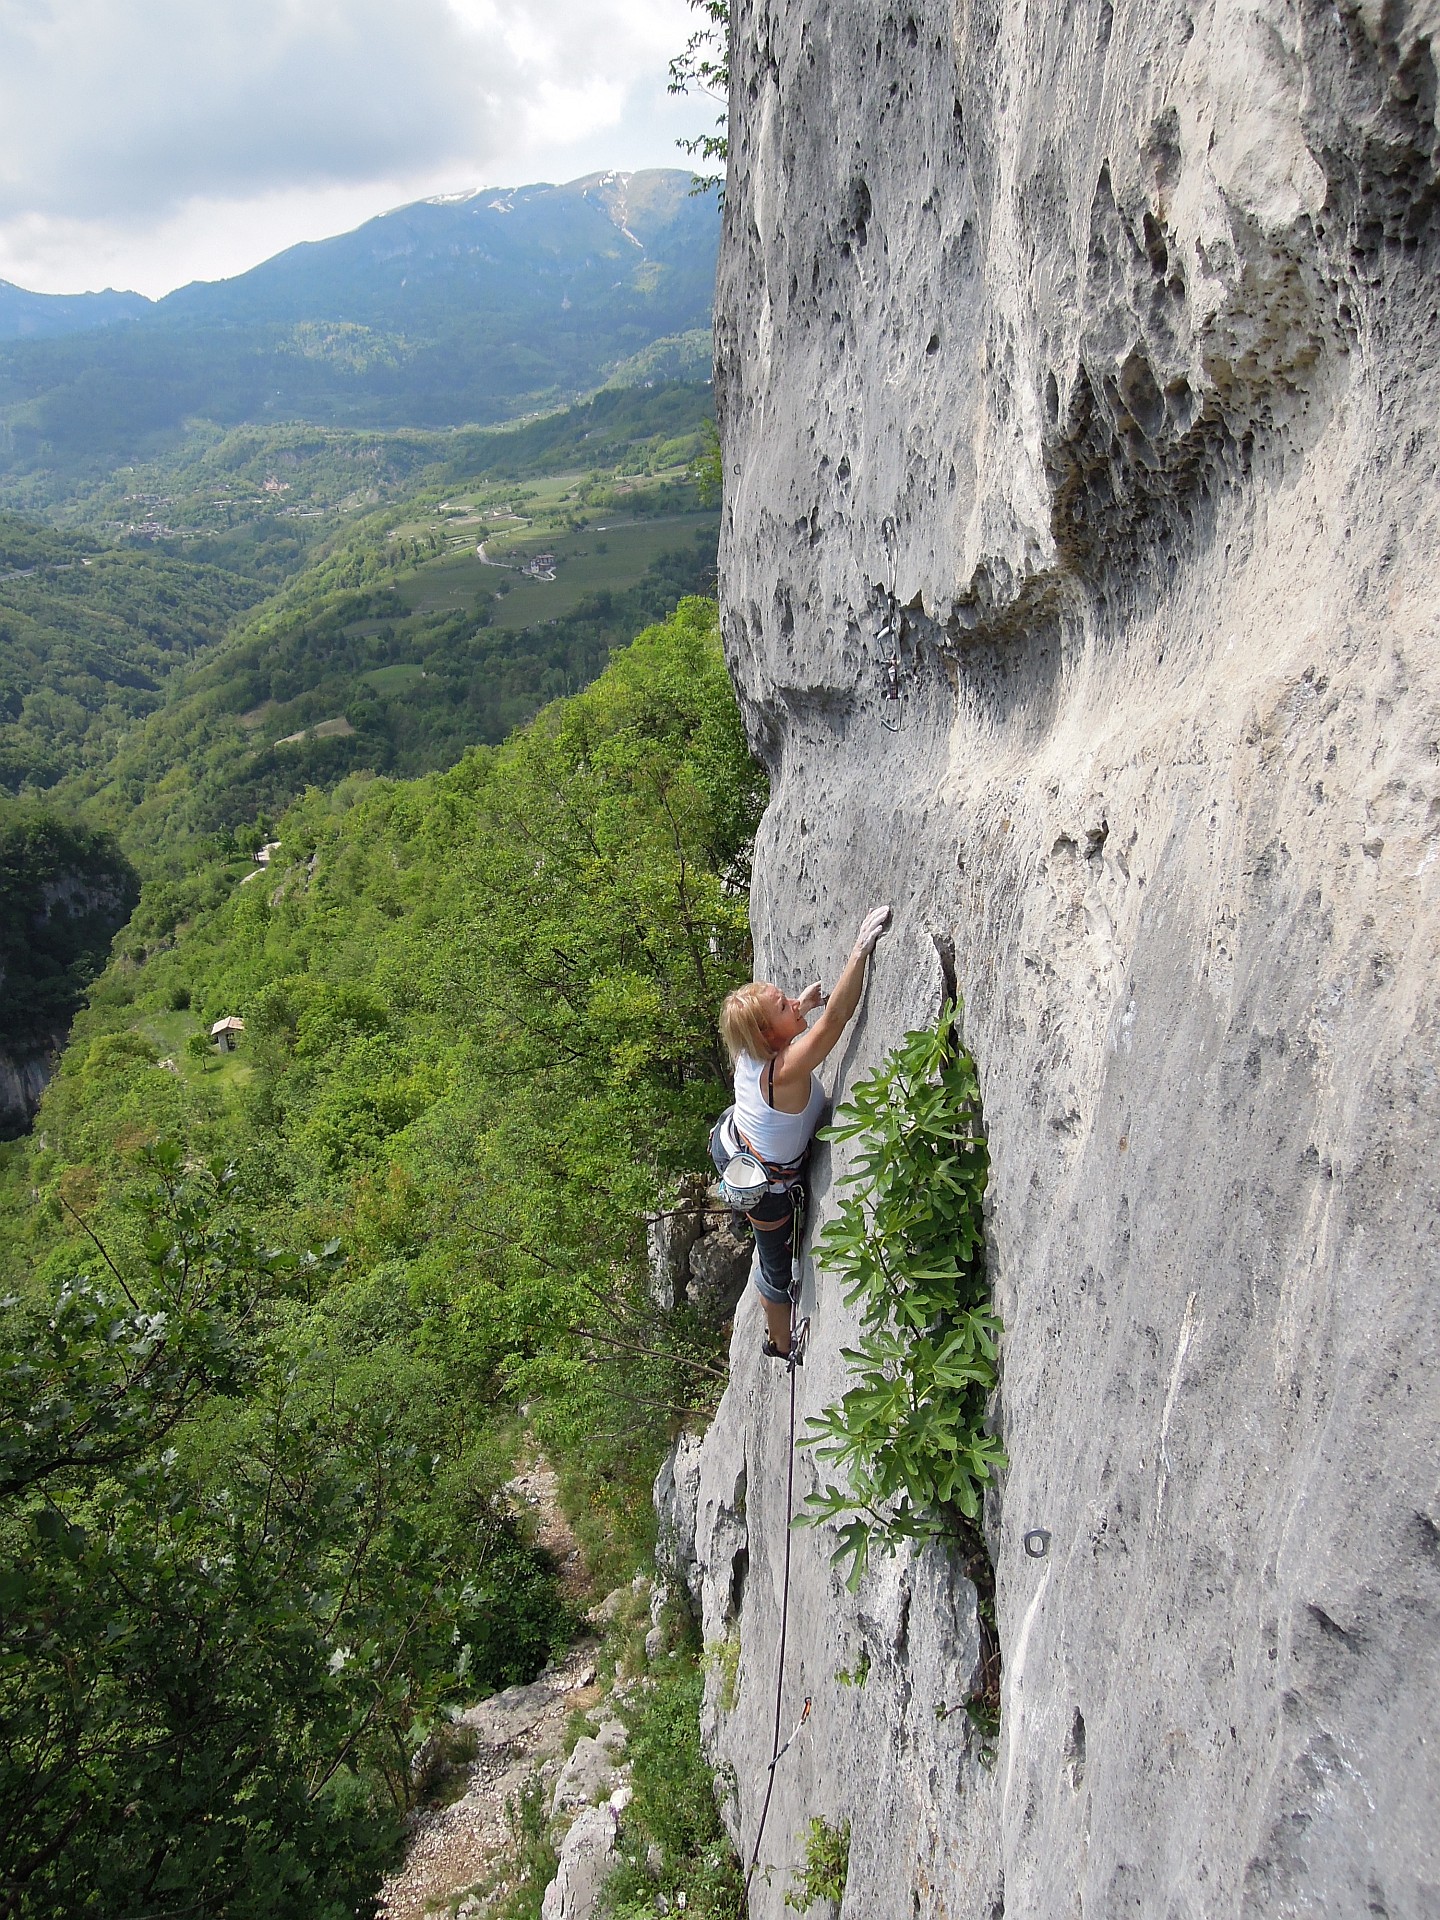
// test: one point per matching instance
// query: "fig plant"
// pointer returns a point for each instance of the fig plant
(909, 1439)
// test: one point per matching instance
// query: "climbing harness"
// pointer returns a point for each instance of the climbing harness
(799, 1330)
(745, 1174)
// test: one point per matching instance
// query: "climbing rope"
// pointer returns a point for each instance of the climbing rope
(776, 1750)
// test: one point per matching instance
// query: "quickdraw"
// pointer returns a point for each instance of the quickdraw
(888, 636)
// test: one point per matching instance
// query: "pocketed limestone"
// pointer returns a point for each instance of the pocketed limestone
(1099, 345)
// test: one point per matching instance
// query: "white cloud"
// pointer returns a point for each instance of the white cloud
(148, 142)
(127, 110)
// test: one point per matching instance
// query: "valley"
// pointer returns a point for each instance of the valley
(375, 827)
(435, 316)
(370, 638)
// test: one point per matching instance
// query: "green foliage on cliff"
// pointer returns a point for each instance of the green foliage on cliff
(908, 1245)
(704, 67)
(671, 1841)
(827, 1867)
(254, 1536)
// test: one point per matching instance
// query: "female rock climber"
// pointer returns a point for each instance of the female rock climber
(779, 1103)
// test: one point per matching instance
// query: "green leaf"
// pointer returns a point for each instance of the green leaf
(907, 1247)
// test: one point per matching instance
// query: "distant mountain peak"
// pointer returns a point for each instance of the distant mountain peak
(468, 307)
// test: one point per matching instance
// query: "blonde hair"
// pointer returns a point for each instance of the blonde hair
(744, 1022)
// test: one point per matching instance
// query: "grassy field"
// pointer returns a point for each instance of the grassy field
(610, 556)
(169, 1032)
(391, 680)
(587, 561)
(479, 513)
(600, 533)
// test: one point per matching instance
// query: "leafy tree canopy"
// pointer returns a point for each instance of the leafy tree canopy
(273, 1316)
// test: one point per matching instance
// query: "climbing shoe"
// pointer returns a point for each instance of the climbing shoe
(796, 1356)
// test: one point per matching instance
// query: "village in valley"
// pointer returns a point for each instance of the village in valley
(571, 533)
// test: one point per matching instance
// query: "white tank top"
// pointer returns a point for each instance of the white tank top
(780, 1138)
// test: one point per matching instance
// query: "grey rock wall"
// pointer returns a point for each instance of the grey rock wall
(22, 1081)
(1102, 339)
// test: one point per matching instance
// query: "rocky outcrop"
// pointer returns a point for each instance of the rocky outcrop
(587, 1856)
(459, 1847)
(1099, 344)
(23, 1080)
(64, 892)
(591, 1791)
(589, 1775)
(698, 1255)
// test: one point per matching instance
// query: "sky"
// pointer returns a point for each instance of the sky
(147, 143)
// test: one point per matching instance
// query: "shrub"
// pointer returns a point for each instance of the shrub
(671, 1837)
(908, 1246)
(827, 1867)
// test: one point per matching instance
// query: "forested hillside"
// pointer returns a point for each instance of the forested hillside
(476, 308)
(390, 645)
(89, 635)
(250, 1539)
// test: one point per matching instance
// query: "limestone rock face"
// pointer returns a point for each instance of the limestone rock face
(720, 1268)
(669, 1236)
(698, 1254)
(1098, 343)
(587, 1776)
(677, 1495)
(22, 1081)
(587, 1854)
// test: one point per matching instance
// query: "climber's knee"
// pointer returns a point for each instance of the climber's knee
(774, 1286)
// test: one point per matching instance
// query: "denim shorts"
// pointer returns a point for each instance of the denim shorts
(778, 1243)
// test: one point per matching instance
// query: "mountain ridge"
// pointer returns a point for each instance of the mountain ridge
(29, 315)
(26, 315)
(437, 314)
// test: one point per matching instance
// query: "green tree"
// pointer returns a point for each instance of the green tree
(269, 1542)
(225, 1617)
(704, 67)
